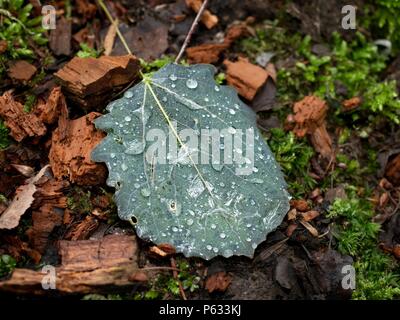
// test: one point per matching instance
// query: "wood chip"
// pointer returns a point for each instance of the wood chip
(89, 81)
(21, 70)
(309, 116)
(208, 19)
(246, 77)
(300, 204)
(21, 124)
(83, 229)
(70, 153)
(50, 109)
(309, 215)
(351, 104)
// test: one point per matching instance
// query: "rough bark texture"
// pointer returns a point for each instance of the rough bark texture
(21, 124)
(88, 81)
(86, 266)
(70, 153)
(49, 110)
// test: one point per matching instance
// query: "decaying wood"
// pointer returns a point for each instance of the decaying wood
(47, 211)
(49, 110)
(246, 77)
(83, 229)
(70, 153)
(87, 266)
(208, 19)
(89, 81)
(21, 70)
(309, 117)
(21, 124)
(218, 281)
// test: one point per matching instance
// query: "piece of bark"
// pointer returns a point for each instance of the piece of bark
(83, 229)
(218, 281)
(309, 116)
(393, 170)
(300, 204)
(208, 19)
(49, 110)
(23, 199)
(351, 104)
(21, 124)
(309, 215)
(60, 38)
(17, 248)
(70, 152)
(246, 77)
(211, 52)
(89, 81)
(21, 70)
(48, 211)
(87, 266)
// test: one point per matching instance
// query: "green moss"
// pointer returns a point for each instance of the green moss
(294, 157)
(87, 51)
(4, 139)
(7, 265)
(79, 201)
(166, 285)
(18, 29)
(377, 274)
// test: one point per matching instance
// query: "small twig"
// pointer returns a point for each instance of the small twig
(108, 14)
(191, 30)
(175, 274)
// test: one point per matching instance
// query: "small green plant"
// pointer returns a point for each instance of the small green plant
(154, 65)
(294, 156)
(17, 29)
(166, 285)
(377, 274)
(7, 265)
(4, 139)
(79, 201)
(87, 52)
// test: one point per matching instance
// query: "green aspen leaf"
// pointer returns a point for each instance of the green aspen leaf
(189, 165)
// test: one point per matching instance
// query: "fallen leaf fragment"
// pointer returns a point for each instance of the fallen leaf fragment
(309, 116)
(208, 19)
(309, 227)
(87, 266)
(21, 70)
(292, 214)
(23, 199)
(246, 77)
(110, 38)
(21, 124)
(60, 37)
(89, 80)
(218, 281)
(70, 153)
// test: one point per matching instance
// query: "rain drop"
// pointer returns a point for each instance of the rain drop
(231, 111)
(189, 222)
(128, 94)
(145, 192)
(128, 118)
(209, 247)
(222, 235)
(173, 77)
(191, 83)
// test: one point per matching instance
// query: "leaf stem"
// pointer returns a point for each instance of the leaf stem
(191, 30)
